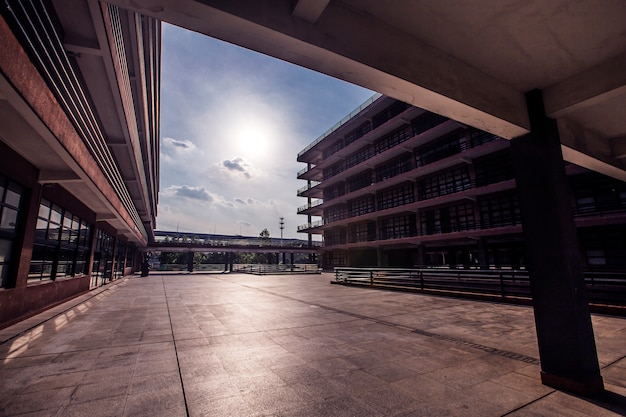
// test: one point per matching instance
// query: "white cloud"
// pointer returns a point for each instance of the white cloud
(180, 144)
(188, 192)
(238, 165)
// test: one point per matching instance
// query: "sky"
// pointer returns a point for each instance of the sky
(232, 124)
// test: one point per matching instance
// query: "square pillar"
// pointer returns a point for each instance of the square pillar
(567, 349)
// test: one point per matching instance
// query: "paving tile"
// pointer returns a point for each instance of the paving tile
(286, 346)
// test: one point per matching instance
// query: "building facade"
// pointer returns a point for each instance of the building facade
(79, 148)
(397, 186)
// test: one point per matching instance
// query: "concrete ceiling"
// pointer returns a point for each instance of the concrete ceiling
(472, 61)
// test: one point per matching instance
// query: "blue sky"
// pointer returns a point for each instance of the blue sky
(232, 124)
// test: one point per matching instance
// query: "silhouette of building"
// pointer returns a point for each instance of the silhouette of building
(79, 148)
(398, 186)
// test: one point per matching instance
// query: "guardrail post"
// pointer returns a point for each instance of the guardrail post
(421, 279)
(372, 278)
(502, 285)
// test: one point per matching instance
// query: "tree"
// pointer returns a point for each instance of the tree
(264, 234)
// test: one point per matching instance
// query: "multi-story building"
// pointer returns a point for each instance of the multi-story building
(79, 129)
(398, 186)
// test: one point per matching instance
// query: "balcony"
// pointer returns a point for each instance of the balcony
(313, 204)
(309, 227)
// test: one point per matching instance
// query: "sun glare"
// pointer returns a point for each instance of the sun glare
(253, 140)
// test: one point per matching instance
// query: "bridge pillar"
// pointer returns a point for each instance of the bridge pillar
(190, 261)
(567, 349)
(231, 258)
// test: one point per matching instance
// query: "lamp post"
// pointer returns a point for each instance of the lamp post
(282, 226)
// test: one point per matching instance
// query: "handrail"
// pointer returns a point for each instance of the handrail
(603, 287)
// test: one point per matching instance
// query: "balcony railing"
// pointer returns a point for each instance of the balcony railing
(340, 123)
(313, 204)
(311, 225)
(307, 187)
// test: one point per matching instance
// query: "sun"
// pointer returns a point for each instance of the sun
(253, 140)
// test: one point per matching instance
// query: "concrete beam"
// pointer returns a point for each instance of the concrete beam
(59, 177)
(383, 58)
(310, 10)
(600, 83)
(618, 148)
(582, 147)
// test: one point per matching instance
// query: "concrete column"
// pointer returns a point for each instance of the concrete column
(190, 261)
(420, 255)
(567, 350)
(483, 253)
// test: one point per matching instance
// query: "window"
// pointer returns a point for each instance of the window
(396, 167)
(333, 148)
(334, 191)
(359, 156)
(334, 170)
(479, 137)
(11, 200)
(359, 181)
(361, 206)
(335, 258)
(494, 169)
(499, 211)
(604, 246)
(334, 213)
(426, 122)
(389, 113)
(396, 196)
(120, 257)
(451, 219)
(130, 255)
(596, 193)
(393, 139)
(102, 259)
(443, 183)
(357, 133)
(362, 232)
(62, 244)
(439, 149)
(397, 227)
(334, 237)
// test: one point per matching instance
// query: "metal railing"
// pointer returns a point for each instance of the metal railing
(313, 204)
(307, 187)
(340, 123)
(311, 225)
(603, 287)
(267, 269)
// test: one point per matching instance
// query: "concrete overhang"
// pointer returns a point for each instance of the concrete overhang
(470, 61)
(32, 139)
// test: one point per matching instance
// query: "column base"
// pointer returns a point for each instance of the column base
(589, 388)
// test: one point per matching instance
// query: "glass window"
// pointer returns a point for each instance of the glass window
(59, 251)
(9, 219)
(11, 197)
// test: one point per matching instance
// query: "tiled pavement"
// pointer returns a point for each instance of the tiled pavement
(240, 345)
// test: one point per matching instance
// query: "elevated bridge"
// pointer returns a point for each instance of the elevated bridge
(194, 242)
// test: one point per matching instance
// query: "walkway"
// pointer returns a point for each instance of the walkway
(241, 345)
